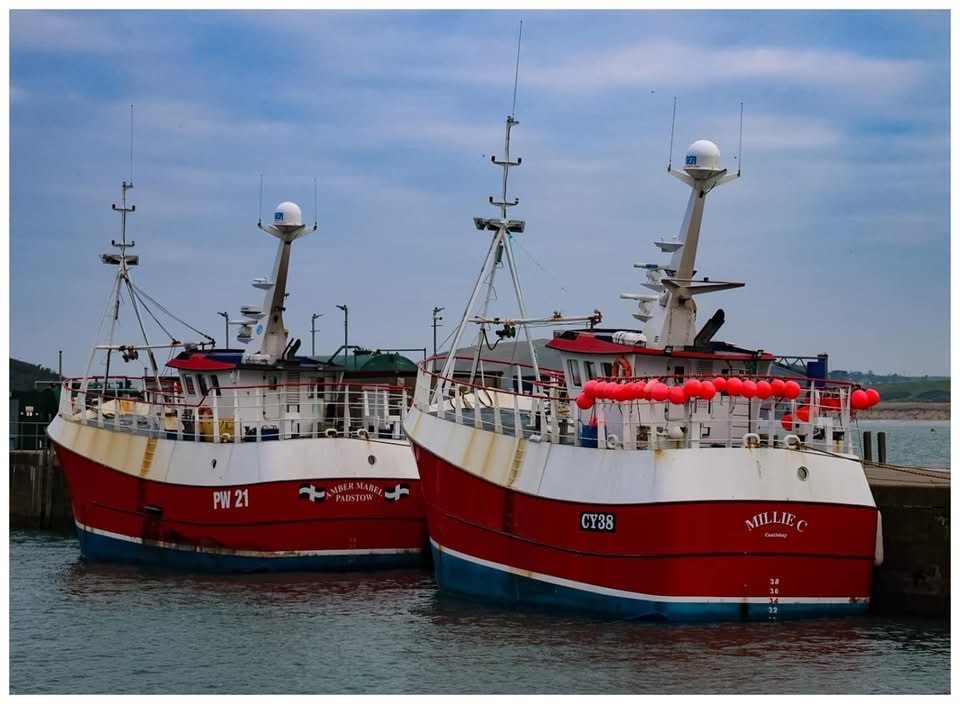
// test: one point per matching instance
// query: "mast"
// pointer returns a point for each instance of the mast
(268, 342)
(123, 262)
(672, 320)
(503, 229)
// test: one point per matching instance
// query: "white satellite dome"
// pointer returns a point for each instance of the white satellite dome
(702, 155)
(288, 214)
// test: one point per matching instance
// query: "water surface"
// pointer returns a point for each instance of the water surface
(77, 627)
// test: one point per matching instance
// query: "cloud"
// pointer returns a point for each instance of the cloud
(662, 65)
(845, 157)
(61, 32)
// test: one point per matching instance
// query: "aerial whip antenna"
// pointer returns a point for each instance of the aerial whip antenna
(131, 145)
(260, 204)
(673, 123)
(516, 73)
(740, 144)
(315, 211)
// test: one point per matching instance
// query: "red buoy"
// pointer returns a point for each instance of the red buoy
(648, 388)
(859, 400)
(623, 392)
(677, 395)
(791, 389)
(764, 390)
(873, 396)
(584, 401)
(590, 388)
(777, 387)
(831, 402)
(748, 389)
(707, 390)
(734, 386)
(660, 391)
(719, 383)
(803, 413)
(692, 387)
(787, 421)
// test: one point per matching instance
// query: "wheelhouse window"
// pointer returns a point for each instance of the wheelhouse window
(591, 372)
(215, 384)
(188, 384)
(608, 369)
(203, 384)
(573, 365)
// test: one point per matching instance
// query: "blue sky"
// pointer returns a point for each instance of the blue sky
(839, 225)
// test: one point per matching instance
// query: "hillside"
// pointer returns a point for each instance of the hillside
(23, 375)
(918, 389)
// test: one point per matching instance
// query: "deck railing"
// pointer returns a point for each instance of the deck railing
(504, 398)
(232, 414)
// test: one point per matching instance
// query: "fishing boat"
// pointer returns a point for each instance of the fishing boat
(659, 473)
(249, 459)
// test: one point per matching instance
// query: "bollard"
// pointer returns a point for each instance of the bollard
(867, 446)
(882, 447)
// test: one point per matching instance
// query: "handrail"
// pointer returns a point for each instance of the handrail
(544, 371)
(284, 410)
(548, 413)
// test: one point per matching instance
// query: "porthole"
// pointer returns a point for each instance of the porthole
(371, 459)
(803, 473)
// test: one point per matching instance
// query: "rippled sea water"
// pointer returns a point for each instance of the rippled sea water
(77, 627)
(918, 443)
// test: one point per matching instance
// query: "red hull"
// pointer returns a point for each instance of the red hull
(261, 518)
(709, 549)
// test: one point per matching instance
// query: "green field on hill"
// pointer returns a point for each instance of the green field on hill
(917, 389)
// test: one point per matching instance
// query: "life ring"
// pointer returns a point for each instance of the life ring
(621, 367)
(204, 411)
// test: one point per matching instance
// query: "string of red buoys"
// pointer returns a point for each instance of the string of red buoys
(706, 389)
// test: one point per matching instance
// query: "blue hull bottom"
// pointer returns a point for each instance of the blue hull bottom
(465, 577)
(102, 548)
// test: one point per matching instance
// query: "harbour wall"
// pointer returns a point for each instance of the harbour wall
(39, 496)
(914, 504)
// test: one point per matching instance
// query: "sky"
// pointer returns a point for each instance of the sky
(381, 124)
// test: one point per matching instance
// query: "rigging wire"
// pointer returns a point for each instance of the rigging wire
(143, 294)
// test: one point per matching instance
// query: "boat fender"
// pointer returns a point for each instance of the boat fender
(362, 434)
(792, 441)
(613, 442)
(225, 437)
(751, 440)
(330, 432)
(621, 367)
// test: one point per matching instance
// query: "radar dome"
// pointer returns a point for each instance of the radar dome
(702, 155)
(288, 214)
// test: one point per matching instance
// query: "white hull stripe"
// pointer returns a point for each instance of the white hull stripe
(620, 593)
(246, 553)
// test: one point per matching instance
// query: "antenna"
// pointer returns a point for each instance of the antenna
(315, 211)
(260, 204)
(673, 123)
(740, 143)
(516, 74)
(131, 145)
